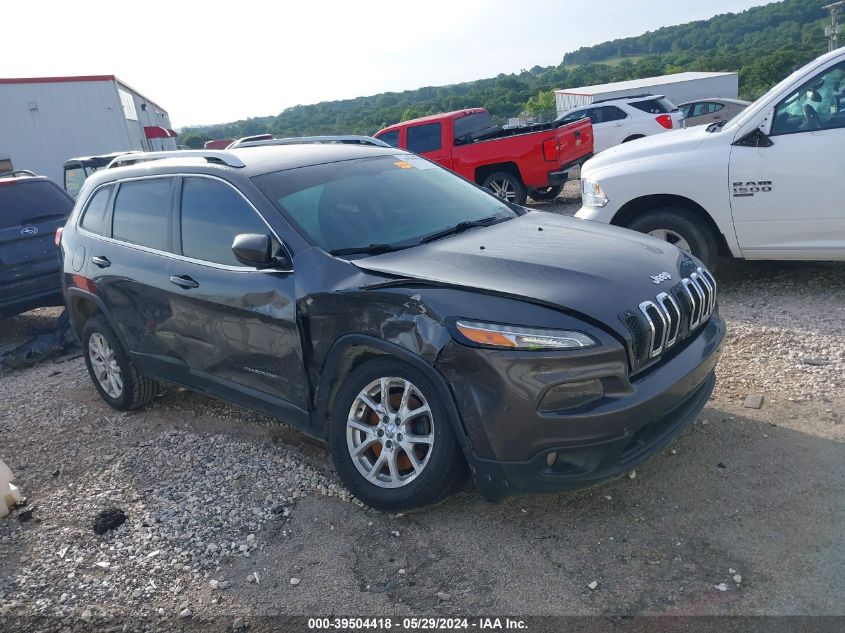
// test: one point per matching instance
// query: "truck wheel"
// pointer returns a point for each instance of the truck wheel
(544, 193)
(115, 377)
(390, 437)
(681, 228)
(506, 186)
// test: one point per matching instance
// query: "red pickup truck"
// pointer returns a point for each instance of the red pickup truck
(512, 163)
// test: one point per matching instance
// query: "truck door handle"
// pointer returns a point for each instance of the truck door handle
(184, 281)
(102, 262)
(577, 133)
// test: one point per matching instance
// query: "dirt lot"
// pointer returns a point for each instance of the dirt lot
(237, 516)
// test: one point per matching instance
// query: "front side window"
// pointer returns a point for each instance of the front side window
(94, 219)
(384, 200)
(213, 213)
(818, 104)
(141, 213)
(424, 138)
(391, 138)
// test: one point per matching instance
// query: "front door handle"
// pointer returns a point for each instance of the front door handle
(102, 262)
(184, 281)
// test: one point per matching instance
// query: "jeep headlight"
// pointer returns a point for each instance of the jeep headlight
(515, 337)
(592, 194)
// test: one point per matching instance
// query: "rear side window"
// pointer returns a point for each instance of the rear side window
(391, 138)
(654, 106)
(213, 213)
(141, 212)
(706, 107)
(25, 202)
(94, 219)
(472, 124)
(610, 113)
(424, 138)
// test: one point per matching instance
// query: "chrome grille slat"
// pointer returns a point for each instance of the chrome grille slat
(672, 315)
(673, 319)
(695, 300)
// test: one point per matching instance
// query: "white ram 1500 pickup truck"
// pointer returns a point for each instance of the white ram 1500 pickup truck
(768, 184)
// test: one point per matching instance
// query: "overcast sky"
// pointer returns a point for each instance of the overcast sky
(213, 62)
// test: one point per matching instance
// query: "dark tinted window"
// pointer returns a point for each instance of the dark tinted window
(94, 219)
(611, 113)
(571, 117)
(212, 215)
(472, 124)
(24, 202)
(141, 212)
(424, 138)
(654, 106)
(391, 138)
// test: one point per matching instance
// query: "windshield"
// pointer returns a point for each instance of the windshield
(394, 201)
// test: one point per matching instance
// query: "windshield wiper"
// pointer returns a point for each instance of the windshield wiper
(460, 227)
(372, 249)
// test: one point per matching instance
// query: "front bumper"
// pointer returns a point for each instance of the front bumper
(498, 395)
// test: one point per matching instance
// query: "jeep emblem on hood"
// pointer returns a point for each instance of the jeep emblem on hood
(664, 276)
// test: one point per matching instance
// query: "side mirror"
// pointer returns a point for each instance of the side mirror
(755, 138)
(253, 249)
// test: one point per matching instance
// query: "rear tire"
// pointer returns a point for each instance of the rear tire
(540, 194)
(392, 460)
(680, 227)
(506, 186)
(115, 377)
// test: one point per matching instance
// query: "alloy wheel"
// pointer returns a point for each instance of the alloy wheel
(104, 364)
(390, 432)
(503, 189)
(676, 239)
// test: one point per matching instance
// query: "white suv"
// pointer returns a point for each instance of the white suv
(768, 184)
(624, 119)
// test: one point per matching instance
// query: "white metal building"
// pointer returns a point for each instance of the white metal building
(46, 120)
(678, 88)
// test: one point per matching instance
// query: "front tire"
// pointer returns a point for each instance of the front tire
(390, 437)
(682, 228)
(539, 194)
(115, 377)
(506, 186)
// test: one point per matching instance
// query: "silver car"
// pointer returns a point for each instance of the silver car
(707, 111)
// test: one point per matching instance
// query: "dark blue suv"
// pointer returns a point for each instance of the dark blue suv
(32, 208)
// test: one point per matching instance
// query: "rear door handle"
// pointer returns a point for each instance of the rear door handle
(102, 262)
(184, 281)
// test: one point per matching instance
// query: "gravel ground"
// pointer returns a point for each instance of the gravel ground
(233, 515)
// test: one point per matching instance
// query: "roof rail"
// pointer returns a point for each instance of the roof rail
(213, 156)
(348, 139)
(17, 172)
(645, 95)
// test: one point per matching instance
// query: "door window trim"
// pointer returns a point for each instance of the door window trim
(177, 216)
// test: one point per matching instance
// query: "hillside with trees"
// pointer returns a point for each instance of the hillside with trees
(763, 43)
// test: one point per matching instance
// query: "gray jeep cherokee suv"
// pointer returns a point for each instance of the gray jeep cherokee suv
(416, 323)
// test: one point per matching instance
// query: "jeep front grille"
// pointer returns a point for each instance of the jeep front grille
(671, 316)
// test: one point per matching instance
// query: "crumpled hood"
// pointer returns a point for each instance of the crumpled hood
(596, 270)
(677, 141)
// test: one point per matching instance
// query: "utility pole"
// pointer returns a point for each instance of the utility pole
(832, 30)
